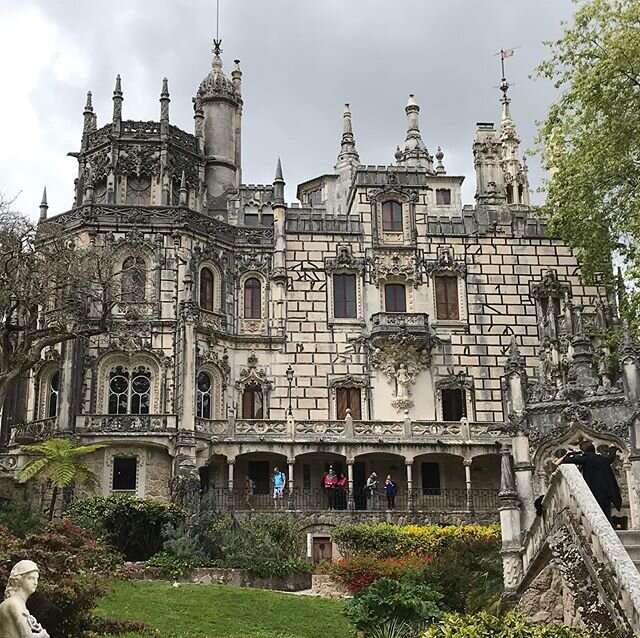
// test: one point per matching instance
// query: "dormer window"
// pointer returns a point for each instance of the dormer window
(443, 197)
(392, 216)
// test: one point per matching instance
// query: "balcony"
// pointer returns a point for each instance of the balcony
(384, 323)
(126, 423)
(33, 431)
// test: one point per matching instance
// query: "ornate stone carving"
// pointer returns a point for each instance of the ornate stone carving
(445, 262)
(402, 264)
(344, 260)
(320, 427)
(138, 159)
(550, 286)
(253, 262)
(348, 381)
(515, 363)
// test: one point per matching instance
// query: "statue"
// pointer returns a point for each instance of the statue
(403, 379)
(15, 619)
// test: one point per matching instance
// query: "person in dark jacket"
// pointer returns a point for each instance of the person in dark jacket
(598, 475)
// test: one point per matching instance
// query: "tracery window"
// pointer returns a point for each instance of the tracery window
(204, 387)
(138, 190)
(129, 391)
(206, 289)
(134, 279)
(392, 216)
(53, 391)
(252, 299)
(252, 401)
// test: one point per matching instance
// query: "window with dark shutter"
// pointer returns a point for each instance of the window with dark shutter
(348, 398)
(252, 402)
(447, 298)
(453, 404)
(252, 299)
(206, 289)
(395, 298)
(392, 216)
(443, 197)
(344, 296)
(124, 474)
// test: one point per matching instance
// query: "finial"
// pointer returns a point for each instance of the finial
(279, 177)
(278, 185)
(217, 47)
(412, 100)
(440, 169)
(117, 91)
(43, 205)
(348, 152)
(165, 88)
(414, 152)
(88, 107)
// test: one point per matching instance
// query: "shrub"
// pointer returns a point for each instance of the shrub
(112, 627)
(387, 540)
(74, 568)
(511, 625)
(359, 571)
(132, 525)
(18, 516)
(269, 568)
(388, 600)
(172, 566)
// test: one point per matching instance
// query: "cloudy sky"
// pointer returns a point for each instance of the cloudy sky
(301, 59)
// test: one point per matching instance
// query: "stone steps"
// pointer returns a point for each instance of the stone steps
(631, 541)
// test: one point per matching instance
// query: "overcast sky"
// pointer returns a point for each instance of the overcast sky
(301, 60)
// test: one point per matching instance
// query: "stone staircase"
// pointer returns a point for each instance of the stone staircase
(631, 541)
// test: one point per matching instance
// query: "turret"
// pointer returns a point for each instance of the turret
(348, 155)
(117, 107)
(487, 154)
(414, 152)
(220, 101)
(89, 123)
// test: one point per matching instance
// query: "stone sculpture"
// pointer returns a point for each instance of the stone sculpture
(15, 619)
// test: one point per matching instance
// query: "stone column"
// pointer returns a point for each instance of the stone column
(524, 478)
(631, 488)
(230, 498)
(351, 502)
(409, 465)
(510, 527)
(291, 503)
(67, 386)
(467, 482)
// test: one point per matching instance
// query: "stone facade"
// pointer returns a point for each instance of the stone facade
(376, 325)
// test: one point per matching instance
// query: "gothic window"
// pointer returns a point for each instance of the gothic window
(251, 219)
(443, 197)
(392, 216)
(129, 392)
(252, 402)
(52, 394)
(252, 299)
(446, 287)
(203, 396)
(453, 404)
(395, 298)
(206, 289)
(125, 470)
(134, 279)
(344, 296)
(348, 398)
(138, 190)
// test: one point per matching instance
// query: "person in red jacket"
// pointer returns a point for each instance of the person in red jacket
(329, 483)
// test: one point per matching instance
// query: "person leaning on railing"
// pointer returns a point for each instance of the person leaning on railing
(598, 475)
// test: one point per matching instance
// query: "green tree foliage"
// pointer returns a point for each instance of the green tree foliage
(60, 463)
(591, 138)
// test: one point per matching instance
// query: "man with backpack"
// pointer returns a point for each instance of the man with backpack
(279, 481)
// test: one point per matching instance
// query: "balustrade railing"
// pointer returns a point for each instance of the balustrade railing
(33, 431)
(126, 423)
(361, 499)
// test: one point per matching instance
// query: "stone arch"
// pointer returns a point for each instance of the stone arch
(45, 376)
(218, 410)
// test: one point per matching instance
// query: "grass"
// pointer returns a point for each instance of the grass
(220, 611)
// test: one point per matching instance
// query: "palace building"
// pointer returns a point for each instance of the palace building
(379, 324)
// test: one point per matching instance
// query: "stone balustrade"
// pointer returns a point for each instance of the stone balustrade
(126, 423)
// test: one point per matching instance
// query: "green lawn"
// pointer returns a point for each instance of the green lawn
(218, 611)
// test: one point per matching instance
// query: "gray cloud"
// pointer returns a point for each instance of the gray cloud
(302, 59)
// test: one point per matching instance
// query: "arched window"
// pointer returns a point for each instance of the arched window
(138, 190)
(134, 279)
(252, 402)
(129, 392)
(252, 299)
(52, 394)
(206, 289)
(203, 396)
(392, 216)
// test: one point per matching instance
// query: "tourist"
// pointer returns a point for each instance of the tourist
(390, 489)
(279, 481)
(341, 492)
(249, 490)
(598, 475)
(330, 483)
(371, 490)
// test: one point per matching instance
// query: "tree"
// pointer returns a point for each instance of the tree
(59, 462)
(591, 138)
(54, 287)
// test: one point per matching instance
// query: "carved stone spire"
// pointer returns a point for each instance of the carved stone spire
(43, 205)
(117, 106)
(348, 153)
(414, 152)
(440, 169)
(89, 122)
(515, 361)
(278, 186)
(164, 101)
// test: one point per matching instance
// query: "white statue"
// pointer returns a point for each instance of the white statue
(15, 619)
(403, 379)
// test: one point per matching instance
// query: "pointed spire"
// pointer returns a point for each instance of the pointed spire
(348, 153)
(165, 89)
(414, 152)
(236, 76)
(88, 122)
(278, 186)
(440, 169)
(117, 106)
(515, 363)
(164, 107)
(88, 107)
(43, 205)
(183, 190)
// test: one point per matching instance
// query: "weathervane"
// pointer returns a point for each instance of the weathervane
(504, 85)
(217, 41)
